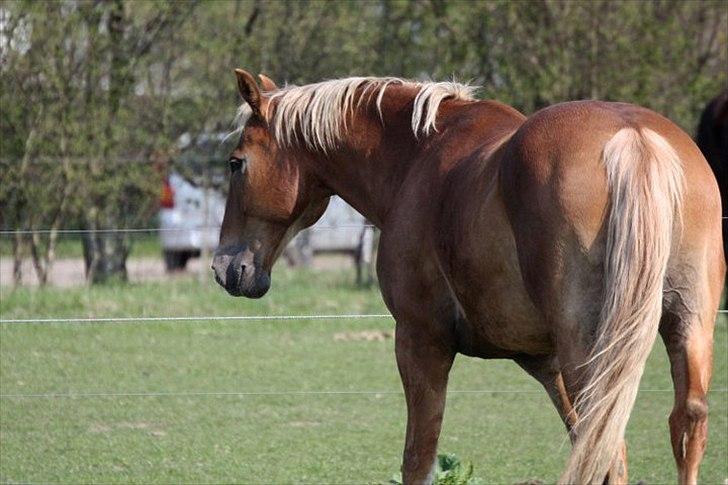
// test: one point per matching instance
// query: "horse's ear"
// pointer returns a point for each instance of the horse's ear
(249, 90)
(267, 83)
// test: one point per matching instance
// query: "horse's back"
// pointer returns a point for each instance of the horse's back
(556, 191)
(554, 164)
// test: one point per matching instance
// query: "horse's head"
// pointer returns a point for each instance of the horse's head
(271, 198)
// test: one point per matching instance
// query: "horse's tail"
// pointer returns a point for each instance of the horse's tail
(645, 180)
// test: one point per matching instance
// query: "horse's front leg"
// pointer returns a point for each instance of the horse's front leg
(418, 297)
(424, 361)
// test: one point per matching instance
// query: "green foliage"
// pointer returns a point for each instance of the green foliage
(77, 134)
(509, 437)
(121, 80)
(87, 86)
(449, 470)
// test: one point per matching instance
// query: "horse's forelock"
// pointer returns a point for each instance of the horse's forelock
(241, 118)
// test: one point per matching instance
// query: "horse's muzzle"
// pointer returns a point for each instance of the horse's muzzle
(236, 270)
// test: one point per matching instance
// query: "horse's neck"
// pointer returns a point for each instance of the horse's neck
(370, 166)
(370, 173)
(367, 184)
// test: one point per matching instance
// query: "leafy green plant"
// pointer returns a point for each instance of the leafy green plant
(449, 470)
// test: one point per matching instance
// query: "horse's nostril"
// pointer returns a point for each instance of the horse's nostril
(241, 275)
(219, 280)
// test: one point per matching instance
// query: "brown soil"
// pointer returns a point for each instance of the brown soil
(70, 272)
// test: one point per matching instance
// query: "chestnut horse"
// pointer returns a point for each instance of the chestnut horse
(563, 241)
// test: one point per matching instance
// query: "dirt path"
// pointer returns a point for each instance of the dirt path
(70, 272)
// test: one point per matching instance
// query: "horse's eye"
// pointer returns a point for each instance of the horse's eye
(236, 163)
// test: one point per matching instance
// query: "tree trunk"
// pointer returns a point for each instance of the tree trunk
(41, 268)
(105, 251)
(22, 202)
(18, 258)
(105, 256)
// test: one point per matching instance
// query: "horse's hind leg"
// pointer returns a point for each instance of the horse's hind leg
(689, 342)
(546, 371)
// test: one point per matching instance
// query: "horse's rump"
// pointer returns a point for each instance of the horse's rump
(645, 180)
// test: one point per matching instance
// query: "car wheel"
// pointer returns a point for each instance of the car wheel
(175, 260)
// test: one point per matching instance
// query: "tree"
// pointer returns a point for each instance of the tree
(91, 89)
(69, 91)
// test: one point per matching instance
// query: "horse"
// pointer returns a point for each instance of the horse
(712, 139)
(565, 241)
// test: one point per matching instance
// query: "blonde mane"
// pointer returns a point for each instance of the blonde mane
(317, 114)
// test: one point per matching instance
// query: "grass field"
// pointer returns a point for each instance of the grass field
(509, 436)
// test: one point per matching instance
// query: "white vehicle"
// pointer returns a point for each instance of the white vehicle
(338, 230)
(190, 219)
(342, 230)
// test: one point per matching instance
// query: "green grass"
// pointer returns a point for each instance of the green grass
(325, 438)
(71, 246)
